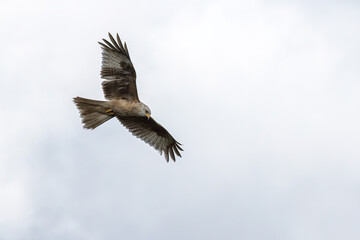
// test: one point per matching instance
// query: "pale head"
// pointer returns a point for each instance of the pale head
(143, 110)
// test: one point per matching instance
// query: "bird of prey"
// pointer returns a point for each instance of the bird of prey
(123, 102)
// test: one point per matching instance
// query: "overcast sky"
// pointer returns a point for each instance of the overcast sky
(263, 95)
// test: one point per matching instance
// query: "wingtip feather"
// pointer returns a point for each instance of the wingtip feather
(166, 154)
(172, 155)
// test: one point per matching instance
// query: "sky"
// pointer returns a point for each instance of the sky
(263, 95)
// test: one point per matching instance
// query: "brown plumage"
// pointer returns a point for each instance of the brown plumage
(123, 101)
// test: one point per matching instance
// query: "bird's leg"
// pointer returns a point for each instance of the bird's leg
(109, 112)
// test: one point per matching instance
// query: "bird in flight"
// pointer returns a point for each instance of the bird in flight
(123, 102)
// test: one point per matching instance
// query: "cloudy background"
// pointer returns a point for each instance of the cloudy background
(263, 95)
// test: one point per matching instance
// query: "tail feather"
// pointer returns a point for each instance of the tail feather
(92, 112)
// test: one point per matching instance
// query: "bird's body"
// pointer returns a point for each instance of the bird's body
(125, 108)
(123, 102)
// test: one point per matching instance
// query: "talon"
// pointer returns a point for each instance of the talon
(109, 111)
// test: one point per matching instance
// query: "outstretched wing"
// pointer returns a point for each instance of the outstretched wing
(154, 134)
(118, 71)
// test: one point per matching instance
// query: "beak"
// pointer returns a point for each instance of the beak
(147, 115)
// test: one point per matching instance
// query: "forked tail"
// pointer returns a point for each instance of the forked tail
(92, 112)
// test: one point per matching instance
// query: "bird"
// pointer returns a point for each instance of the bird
(120, 90)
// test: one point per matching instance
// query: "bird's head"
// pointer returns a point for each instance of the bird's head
(145, 111)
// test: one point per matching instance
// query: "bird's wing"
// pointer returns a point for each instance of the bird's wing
(154, 134)
(118, 71)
